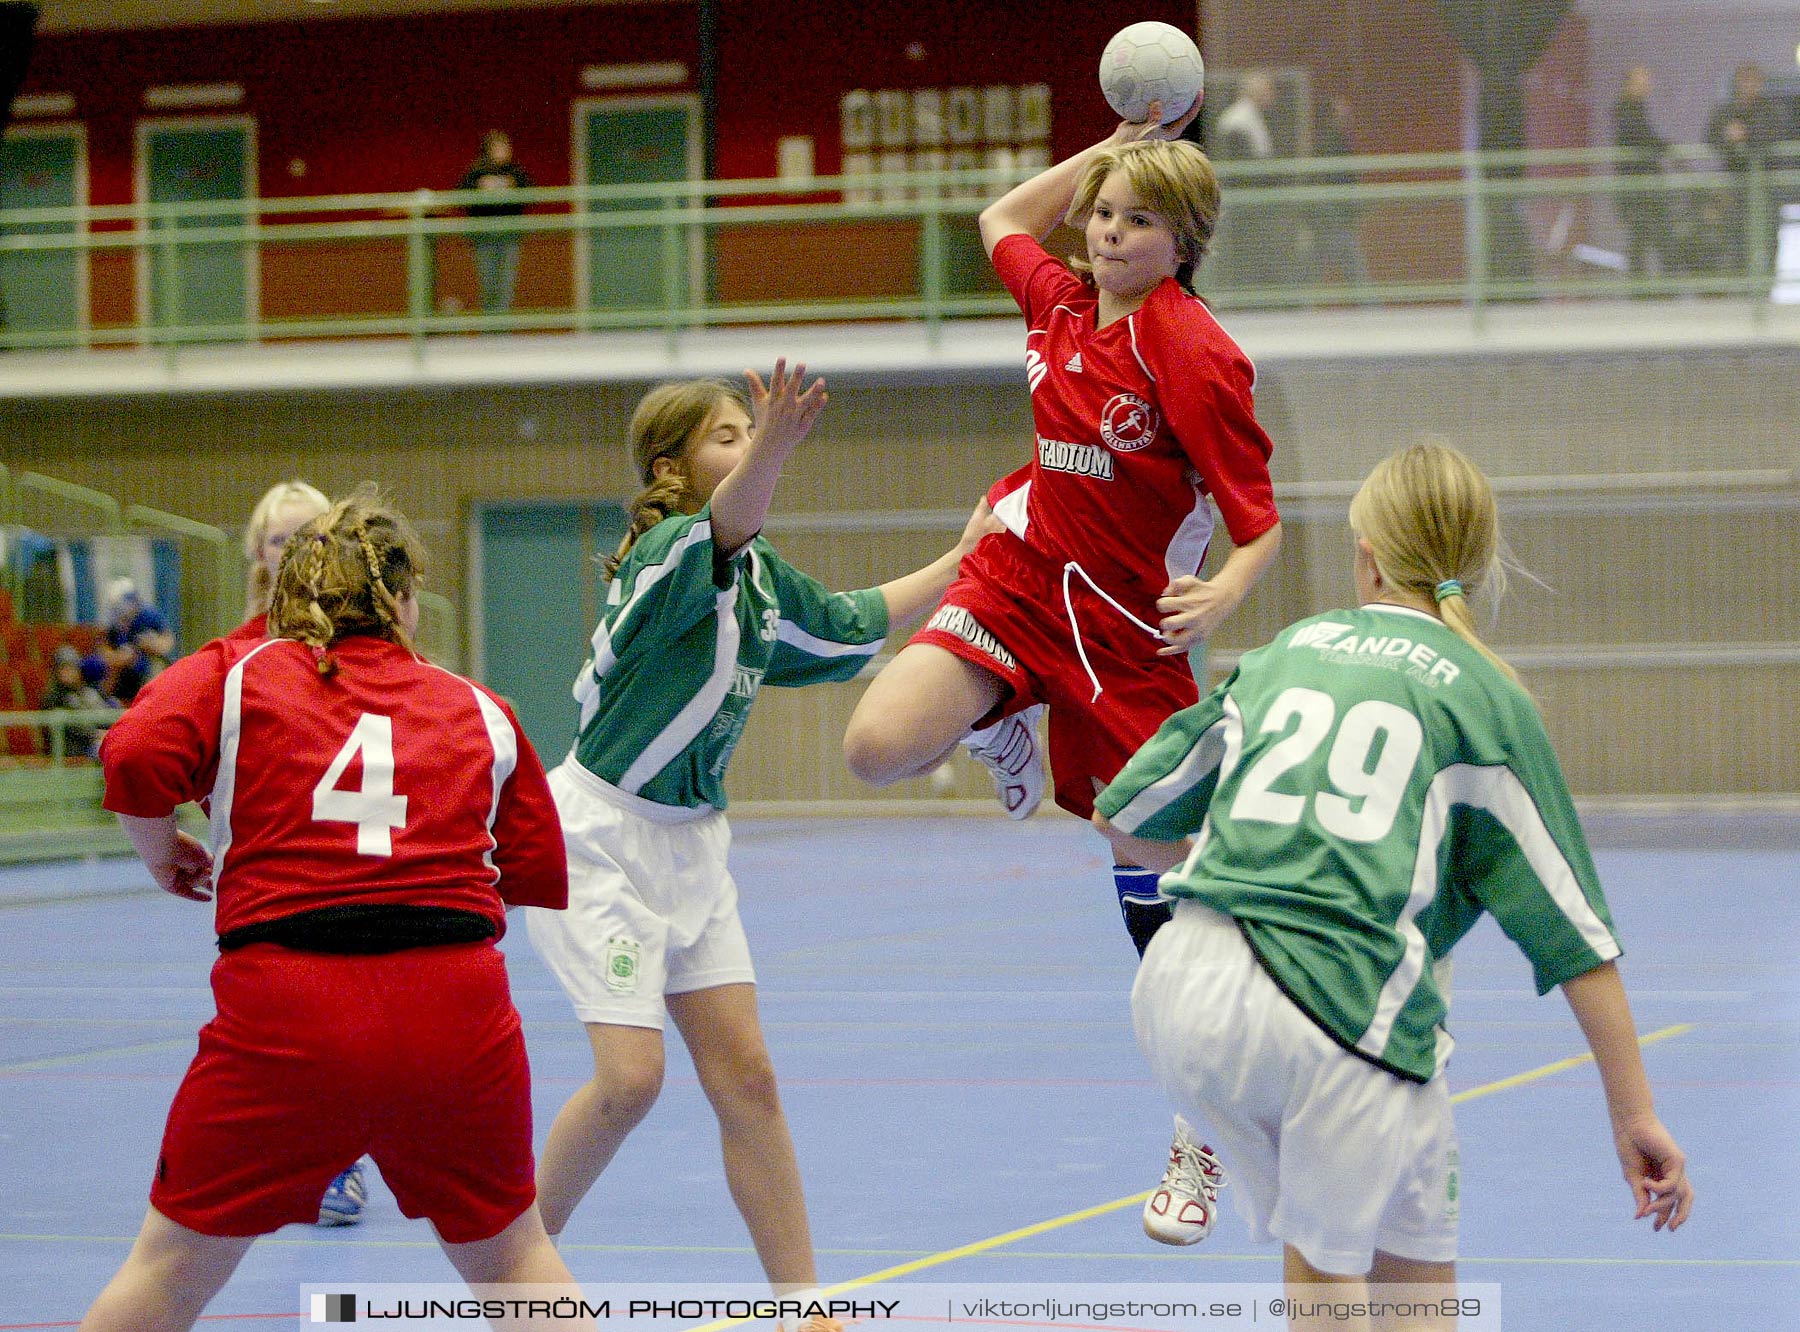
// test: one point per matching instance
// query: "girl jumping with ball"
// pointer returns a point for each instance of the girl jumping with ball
(1089, 604)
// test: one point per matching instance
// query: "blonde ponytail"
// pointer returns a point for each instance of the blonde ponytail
(1433, 526)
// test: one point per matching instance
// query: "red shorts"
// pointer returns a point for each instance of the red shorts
(1005, 613)
(414, 1058)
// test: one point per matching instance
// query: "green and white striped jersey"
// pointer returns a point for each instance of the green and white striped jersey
(685, 642)
(1363, 788)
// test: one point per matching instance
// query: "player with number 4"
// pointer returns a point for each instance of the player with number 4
(372, 817)
(1358, 793)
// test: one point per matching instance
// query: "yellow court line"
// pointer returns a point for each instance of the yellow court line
(1119, 1204)
(1561, 1065)
(63, 1061)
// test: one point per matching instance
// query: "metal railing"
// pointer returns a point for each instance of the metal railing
(56, 507)
(1461, 228)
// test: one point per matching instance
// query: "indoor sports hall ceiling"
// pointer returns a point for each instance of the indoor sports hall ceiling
(86, 15)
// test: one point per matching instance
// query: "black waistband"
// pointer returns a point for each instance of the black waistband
(365, 927)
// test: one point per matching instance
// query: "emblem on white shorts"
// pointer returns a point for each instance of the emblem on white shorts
(622, 965)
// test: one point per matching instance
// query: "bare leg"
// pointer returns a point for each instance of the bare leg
(519, 1255)
(628, 1073)
(168, 1278)
(913, 713)
(1433, 1283)
(725, 1038)
(1309, 1286)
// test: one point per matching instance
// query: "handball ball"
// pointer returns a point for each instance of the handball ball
(1151, 62)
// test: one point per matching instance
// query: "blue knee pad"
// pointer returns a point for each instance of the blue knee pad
(1136, 885)
(1145, 910)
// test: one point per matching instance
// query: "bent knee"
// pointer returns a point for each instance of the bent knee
(875, 754)
(746, 1088)
(626, 1093)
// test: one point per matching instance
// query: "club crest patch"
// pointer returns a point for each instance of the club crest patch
(1128, 423)
(622, 965)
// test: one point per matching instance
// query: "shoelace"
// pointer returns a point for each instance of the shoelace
(1075, 625)
(1195, 1171)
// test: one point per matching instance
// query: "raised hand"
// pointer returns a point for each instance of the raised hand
(781, 412)
(1151, 127)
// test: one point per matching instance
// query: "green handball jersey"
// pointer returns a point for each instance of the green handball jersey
(686, 640)
(1361, 790)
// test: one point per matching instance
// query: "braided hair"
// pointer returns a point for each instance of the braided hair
(346, 573)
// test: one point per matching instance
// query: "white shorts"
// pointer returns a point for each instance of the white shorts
(652, 907)
(1323, 1150)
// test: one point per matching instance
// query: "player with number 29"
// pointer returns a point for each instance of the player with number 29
(1334, 818)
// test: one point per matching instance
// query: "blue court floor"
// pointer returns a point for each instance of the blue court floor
(947, 1003)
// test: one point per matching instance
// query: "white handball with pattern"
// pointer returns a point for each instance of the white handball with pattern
(1151, 62)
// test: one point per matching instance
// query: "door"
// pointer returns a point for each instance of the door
(638, 142)
(205, 284)
(539, 589)
(43, 293)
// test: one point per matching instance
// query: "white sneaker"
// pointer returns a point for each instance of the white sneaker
(1008, 750)
(1182, 1209)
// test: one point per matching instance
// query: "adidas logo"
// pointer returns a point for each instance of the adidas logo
(1073, 364)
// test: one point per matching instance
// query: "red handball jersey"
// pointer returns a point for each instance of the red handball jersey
(252, 630)
(1136, 423)
(395, 782)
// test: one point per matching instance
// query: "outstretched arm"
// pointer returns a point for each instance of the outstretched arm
(1035, 206)
(1654, 1166)
(911, 595)
(781, 415)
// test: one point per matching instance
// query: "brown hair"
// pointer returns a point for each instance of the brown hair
(667, 421)
(1172, 178)
(345, 573)
(1429, 517)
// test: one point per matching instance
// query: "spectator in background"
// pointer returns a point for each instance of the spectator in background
(1645, 213)
(69, 688)
(1740, 132)
(496, 252)
(137, 642)
(1255, 244)
(1336, 241)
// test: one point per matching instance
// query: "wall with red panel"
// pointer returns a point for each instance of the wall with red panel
(395, 104)
(368, 105)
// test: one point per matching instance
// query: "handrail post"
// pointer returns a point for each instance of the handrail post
(1757, 280)
(225, 558)
(931, 261)
(672, 275)
(418, 271)
(1476, 228)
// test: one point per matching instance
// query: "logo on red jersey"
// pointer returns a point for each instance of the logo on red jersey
(1035, 370)
(1128, 423)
